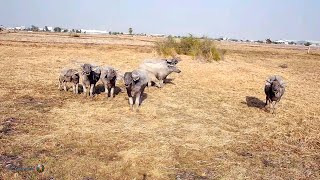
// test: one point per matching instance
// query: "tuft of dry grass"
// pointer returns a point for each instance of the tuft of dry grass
(207, 123)
(74, 35)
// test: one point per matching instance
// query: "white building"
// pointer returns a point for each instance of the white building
(156, 35)
(92, 31)
(281, 42)
(20, 28)
(50, 28)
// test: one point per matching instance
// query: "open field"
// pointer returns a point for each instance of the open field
(208, 123)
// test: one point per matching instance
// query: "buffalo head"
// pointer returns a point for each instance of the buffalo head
(86, 69)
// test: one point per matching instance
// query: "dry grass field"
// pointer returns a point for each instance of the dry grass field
(208, 122)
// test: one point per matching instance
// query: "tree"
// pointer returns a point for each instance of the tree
(268, 41)
(46, 28)
(307, 44)
(130, 31)
(66, 30)
(57, 29)
(34, 28)
(110, 32)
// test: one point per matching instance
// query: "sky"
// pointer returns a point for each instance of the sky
(241, 19)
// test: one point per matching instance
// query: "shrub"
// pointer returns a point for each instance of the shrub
(167, 47)
(201, 49)
(34, 28)
(57, 29)
(268, 41)
(307, 44)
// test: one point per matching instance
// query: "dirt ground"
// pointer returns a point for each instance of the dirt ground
(208, 122)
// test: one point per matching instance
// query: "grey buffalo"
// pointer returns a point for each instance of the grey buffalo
(274, 90)
(108, 78)
(159, 69)
(135, 83)
(90, 76)
(69, 75)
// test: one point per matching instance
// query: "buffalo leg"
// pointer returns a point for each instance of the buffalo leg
(59, 87)
(91, 90)
(77, 88)
(268, 101)
(130, 97)
(84, 90)
(106, 90)
(64, 86)
(161, 82)
(138, 100)
(112, 92)
(131, 103)
(274, 107)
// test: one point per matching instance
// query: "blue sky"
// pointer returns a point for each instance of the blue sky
(243, 19)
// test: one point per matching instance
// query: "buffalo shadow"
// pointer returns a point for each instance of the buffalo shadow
(168, 81)
(254, 102)
(99, 88)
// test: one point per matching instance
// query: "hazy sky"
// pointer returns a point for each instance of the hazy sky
(245, 19)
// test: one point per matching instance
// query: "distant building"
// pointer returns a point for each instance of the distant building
(92, 31)
(156, 35)
(281, 42)
(50, 29)
(301, 42)
(20, 28)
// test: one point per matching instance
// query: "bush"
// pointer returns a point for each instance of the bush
(34, 28)
(307, 44)
(268, 41)
(167, 47)
(57, 29)
(201, 49)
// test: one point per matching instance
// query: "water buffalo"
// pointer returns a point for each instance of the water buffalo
(158, 70)
(135, 83)
(69, 75)
(274, 90)
(108, 78)
(90, 76)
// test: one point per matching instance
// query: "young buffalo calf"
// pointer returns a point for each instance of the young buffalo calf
(69, 75)
(108, 78)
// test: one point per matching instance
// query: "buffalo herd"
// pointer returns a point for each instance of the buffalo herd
(149, 71)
